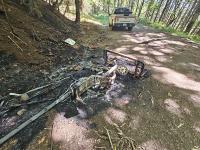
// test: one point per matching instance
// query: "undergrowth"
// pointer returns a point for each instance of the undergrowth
(162, 27)
(103, 19)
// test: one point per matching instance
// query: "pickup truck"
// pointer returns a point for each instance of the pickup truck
(122, 17)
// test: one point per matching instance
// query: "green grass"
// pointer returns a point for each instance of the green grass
(162, 27)
(103, 19)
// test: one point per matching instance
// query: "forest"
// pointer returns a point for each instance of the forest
(176, 15)
(170, 15)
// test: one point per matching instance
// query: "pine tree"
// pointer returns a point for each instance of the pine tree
(78, 15)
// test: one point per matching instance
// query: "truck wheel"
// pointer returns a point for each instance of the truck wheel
(130, 28)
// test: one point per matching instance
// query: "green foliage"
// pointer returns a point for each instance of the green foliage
(101, 18)
(162, 27)
(171, 12)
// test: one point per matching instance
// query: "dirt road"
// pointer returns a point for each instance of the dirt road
(172, 120)
(161, 112)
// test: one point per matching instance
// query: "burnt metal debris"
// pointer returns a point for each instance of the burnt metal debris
(106, 66)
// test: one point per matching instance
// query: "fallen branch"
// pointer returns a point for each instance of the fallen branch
(130, 143)
(96, 147)
(43, 89)
(110, 141)
(104, 137)
(15, 43)
(43, 111)
(76, 88)
(126, 140)
(29, 103)
(19, 38)
(120, 54)
(33, 90)
(152, 99)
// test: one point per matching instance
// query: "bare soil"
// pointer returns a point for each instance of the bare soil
(166, 112)
(27, 59)
(160, 112)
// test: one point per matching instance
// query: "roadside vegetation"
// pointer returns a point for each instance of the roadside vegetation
(163, 28)
(178, 17)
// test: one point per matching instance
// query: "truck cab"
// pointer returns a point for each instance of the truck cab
(122, 17)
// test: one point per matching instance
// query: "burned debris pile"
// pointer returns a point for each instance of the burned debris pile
(95, 73)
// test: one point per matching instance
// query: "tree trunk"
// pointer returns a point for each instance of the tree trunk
(81, 5)
(198, 32)
(164, 10)
(169, 11)
(140, 10)
(160, 4)
(174, 14)
(187, 18)
(138, 1)
(108, 4)
(149, 8)
(194, 17)
(78, 15)
(66, 7)
(182, 17)
(179, 14)
(114, 3)
(152, 15)
(118, 3)
(195, 29)
(132, 5)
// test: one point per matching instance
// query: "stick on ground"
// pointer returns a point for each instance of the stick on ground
(110, 141)
(15, 43)
(19, 38)
(23, 125)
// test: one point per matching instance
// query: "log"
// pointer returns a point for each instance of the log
(122, 55)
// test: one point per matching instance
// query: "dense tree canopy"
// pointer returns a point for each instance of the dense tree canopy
(182, 15)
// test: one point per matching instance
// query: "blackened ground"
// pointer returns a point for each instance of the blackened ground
(43, 51)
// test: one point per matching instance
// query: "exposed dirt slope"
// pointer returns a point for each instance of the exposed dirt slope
(35, 48)
(31, 34)
(28, 57)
